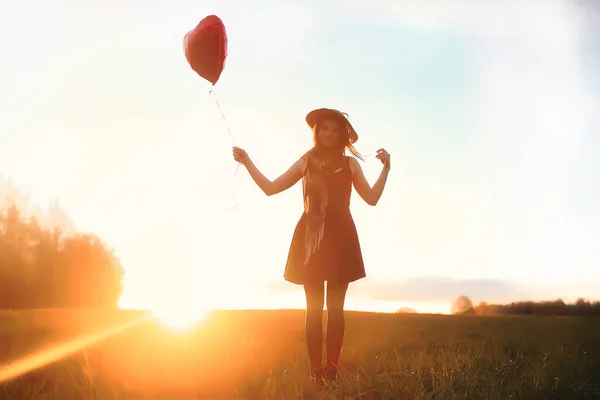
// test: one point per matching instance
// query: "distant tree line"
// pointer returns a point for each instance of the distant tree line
(581, 307)
(47, 265)
(558, 307)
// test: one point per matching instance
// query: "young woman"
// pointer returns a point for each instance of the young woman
(325, 245)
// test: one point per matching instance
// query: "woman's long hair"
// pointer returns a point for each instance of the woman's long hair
(344, 137)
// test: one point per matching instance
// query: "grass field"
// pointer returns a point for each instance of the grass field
(261, 355)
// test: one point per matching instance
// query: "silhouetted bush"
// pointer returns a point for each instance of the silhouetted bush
(406, 310)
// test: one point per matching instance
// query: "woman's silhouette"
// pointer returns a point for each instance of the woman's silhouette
(325, 245)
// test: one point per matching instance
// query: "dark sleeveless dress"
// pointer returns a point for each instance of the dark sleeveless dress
(339, 257)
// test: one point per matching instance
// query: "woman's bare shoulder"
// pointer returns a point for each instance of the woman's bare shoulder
(352, 162)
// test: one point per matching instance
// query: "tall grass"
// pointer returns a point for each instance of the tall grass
(261, 355)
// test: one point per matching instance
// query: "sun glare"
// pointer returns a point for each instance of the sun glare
(180, 319)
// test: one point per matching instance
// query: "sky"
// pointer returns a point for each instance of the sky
(486, 108)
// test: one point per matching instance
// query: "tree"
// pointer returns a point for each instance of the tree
(43, 266)
(462, 305)
(93, 273)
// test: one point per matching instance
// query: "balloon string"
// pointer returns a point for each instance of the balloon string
(231, 193)
(233, 141)
(222, 115)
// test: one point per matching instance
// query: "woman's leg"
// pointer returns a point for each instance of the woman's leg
(314, 324)
(336, 296)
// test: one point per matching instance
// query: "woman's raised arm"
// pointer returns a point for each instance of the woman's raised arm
(282, 183)
(370, 195)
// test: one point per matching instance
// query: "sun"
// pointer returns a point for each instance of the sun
(181, 319)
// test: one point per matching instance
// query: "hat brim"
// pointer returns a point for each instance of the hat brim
(313, 117)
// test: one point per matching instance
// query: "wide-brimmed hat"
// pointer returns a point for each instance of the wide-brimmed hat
(315, 116)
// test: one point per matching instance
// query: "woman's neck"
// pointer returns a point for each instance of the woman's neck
(328, 151)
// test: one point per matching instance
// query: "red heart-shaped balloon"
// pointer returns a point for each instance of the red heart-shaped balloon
(205, 48)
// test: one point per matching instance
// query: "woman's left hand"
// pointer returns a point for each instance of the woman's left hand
(384, 157)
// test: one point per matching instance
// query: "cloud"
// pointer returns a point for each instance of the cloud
(439, 289)
(444, 289)
(428, 289)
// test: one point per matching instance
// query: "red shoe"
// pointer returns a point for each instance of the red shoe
(331, 373)
(317, 374)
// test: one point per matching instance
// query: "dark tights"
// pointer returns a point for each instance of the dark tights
(336, 295)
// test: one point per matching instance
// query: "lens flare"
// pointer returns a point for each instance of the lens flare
(181, 319)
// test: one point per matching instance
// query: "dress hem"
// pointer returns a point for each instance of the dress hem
(302, 282)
